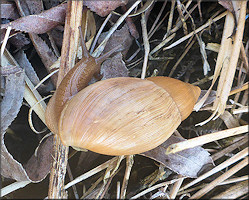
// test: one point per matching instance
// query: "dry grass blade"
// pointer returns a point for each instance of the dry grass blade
(91, 172)
(153, 188)
(218, 168)
(244, 87)
(196, 31)
(234, 192)
(227, 74)
(5, 40)
(198, 141)
(101, 47)
(129, 164)
(30, 95)
(14, 186)
(221, 60)
(221, 178)
(176, 187)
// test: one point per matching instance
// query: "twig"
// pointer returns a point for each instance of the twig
(218, 168)
(176, 187)
(99, 32)
(91, 172)
(146, 45)
(71, 178)
(170, 19)
(118, 190)
(129, 164)
(179, 6)
(230, 148)
(5, 40)
(181, 57)
(233, 192)
(13, 187)
(198, 141)
(101, 47)
(153, 188)
(158, 17)
(221, 178)
(94, 185)
(196, 31)
(68, 55)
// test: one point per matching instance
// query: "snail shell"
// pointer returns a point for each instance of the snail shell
(123, 116)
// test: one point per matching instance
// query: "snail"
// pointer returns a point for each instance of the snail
(117, 116)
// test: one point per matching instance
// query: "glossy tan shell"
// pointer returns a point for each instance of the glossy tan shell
(120, 116)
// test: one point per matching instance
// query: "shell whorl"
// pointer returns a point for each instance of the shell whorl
(119, 116)
(184, 94)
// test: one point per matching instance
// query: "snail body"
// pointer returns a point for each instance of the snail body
(123, 116)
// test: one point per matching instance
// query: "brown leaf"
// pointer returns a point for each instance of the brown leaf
(40, 23)
(39, 165)
(114, 67)
(103, 8)
(187, 163)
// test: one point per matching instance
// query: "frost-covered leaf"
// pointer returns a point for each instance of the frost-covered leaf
(187, 162)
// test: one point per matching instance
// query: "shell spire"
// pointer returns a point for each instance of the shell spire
(184, 94)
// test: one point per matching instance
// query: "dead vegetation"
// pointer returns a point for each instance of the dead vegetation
(203, 43)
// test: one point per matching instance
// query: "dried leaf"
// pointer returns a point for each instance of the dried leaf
(40, 23)
(119, 37)
(114, 67)
(35, 6)
(39, 165)
(23, 61)
(36, 168)
(210, 99)
(19, 40)
(187, 162)
(13, 83)
(103, 8)
(47, 55)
